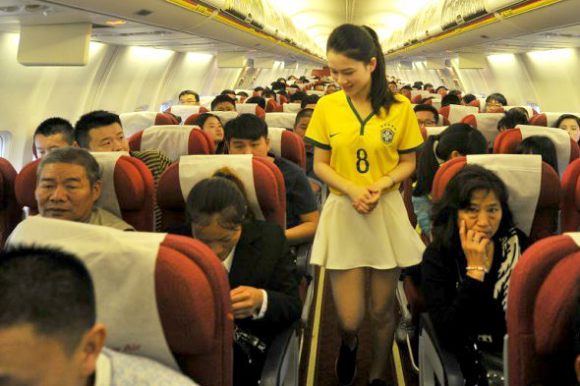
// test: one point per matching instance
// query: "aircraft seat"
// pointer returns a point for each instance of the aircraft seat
(184, 111)
(541, 304)
(288, 145)
(455, 113)
(278, 119)
(174, 305)
(133, 188)
(10, 210)
(291, 107)
(173, 141)
(570, 213)
(508, 141)
(486, 123)
(272, 106)
(475, 103)
(251, 108)
(268, 183)
(137, 121)
(547, 119)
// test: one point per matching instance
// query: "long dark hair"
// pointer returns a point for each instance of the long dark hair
(361, 43)
(458, 136)
(457, 196)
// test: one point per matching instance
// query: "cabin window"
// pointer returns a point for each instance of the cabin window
(4, 142)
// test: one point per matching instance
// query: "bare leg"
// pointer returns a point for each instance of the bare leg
(348, 290)
(383, 286)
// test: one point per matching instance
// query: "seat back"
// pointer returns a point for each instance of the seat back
(288, 145)
(268, 183)
(187, 325)
(251, 108)
(475, 103)
(272, 106)
(133, 186)
(541, 303)
(547, 119)
(184, 111)
(285, 120)
(455, 113)
(538, 220)
(486, 123)
(10, 210)
(173, 141)
(137, 121)
(570, 213)
(291, 107)
(566, 149)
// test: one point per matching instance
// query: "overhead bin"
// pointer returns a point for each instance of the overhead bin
(457, 12)
(495, 5)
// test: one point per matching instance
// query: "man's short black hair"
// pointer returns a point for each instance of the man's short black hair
(303, 113)
(49, 289)
(450, 99)
(407, 87)
(429, 108)
(56, 125)
(227, 91)
(298, 96)
(258, 100)
(189, 92)
(220, 99)
(93, 120)
(309, 100)
(246, 126)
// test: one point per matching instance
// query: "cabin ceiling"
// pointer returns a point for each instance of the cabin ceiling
(316, 18)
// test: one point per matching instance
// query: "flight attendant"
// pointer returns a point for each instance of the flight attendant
(365, 139)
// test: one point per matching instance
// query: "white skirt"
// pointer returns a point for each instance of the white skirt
(383, 239)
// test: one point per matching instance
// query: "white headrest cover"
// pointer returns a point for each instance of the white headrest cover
(171, 140)
(184, 111)
(315, 92)
(194, 168)
(551, 118)
(107, 161)
(435, 130)
(487, 125)
(275, 136)
(122, 266)
(134, 122)
(285, 120)
(246, 108)
(458, 112)
(574, 236)
(225, 116)
(559, 138)
(522, 175)
(291, 107)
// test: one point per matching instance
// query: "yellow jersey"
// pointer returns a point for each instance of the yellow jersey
(363, 150)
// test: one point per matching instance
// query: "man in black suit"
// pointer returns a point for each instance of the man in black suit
(262, 272)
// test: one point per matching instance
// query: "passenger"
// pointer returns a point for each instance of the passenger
(521, 110)
(459, 139)
(540, 145)
(455, 92)
(48, 329)
(331, 88)
(230, 93)
(258, 91)
(53, 133)
(406, 91)
(297, 97)
(511, 119)
(188, 97)
(393, 87)
(365, 140)
(494, 103)
(450, 99)
(300, 125)
(427, 115)
(418, 85)
(262, 273)
(467, 267)
(292, 89)
(570, 123)
(68, 184)
(467, 99)
(248, 134)
(428, 87)
(281, 80)
(223, 102)
(257, 100)
(442, 91)
(101, 130)
(242, 96)
(212, 125)
(319, 86)
(309, 101)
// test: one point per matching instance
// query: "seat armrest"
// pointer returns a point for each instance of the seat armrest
(435, 362)
(281, 365)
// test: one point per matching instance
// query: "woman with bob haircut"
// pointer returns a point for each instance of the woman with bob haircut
(365, 139)
(467, 267)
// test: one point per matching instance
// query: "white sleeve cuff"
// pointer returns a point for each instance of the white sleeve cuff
(264, 307)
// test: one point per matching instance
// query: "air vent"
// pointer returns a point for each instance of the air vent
(36, 8)
(101, 26)
(147, 33)
(143, 12)
(10, 9)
